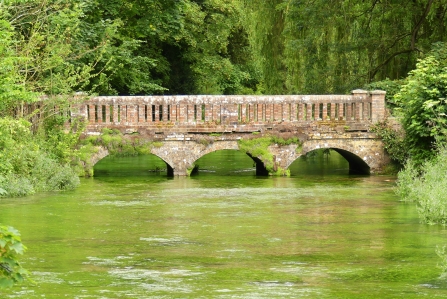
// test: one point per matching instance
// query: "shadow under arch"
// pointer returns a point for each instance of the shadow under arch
(102, 153)
(210, 159)
(360, 154)
(356, 164)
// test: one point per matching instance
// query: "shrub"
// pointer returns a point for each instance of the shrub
(48, 175)
(25, 167)
(422, 100)
(426, 187)
(15, 185)
(393, 140)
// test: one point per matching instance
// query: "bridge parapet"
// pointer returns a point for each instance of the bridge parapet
(207, 113)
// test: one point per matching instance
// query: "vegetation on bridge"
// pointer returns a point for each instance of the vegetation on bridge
(258, 148)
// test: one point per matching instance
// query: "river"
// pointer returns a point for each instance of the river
(131, 232)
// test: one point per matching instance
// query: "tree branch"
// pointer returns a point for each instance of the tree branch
(419, 24)
(377, 68)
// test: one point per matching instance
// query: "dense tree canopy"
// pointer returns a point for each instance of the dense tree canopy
(333, 46)
(211, 46)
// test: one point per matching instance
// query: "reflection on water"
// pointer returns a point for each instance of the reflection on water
(131, 232)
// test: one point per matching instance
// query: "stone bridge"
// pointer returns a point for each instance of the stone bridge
(273, 130)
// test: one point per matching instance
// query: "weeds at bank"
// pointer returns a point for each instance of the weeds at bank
(394, 141)
(427, 187)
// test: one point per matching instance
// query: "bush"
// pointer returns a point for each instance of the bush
(391, 87)
(393, 140)
(427, 187)
(14, 185)
(26, 168)
(48, 175)
(422, 100)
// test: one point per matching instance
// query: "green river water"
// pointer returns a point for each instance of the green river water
(130, 232)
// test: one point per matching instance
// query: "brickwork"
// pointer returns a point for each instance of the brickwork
(183, 124)
(360, 106)
(180, 152)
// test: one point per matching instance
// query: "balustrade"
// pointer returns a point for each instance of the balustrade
(359, 106)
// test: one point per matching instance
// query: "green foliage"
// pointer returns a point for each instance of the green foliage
(312, 47)
(406, 178)
(154, 46)
(15, 185)
(46, 50)
(426, 186)
(217, 48)
(281, 141)
(394, 141)
(12, 89)
(55, 47)
(423, 104)
(24, 167)
(11, 248)
(59, 138)
(47, 175)
(258, 148)
(265, 23)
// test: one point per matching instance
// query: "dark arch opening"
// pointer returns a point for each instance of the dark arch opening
(329, 161)
(356, 164)
(227, 162)
(141, 165)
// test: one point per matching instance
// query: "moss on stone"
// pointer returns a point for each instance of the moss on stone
(259, 148)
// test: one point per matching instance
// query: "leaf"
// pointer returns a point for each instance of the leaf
(430, 104)
(6, 283)
(17, 247)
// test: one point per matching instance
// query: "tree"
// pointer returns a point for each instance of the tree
(335, 46)
(265, 22)
(12, 89)
(40, 55)
(423, 104)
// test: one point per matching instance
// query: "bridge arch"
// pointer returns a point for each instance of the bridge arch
(181, 156)
(356, 164)
(102, 152)
(362, 157)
